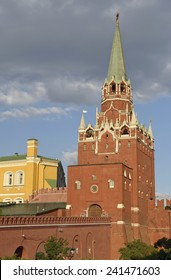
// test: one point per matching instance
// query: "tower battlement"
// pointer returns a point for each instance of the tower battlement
(162, 203)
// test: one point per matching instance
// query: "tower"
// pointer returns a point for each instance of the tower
(115, 172)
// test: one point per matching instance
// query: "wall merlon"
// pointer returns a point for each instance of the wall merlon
(168, 202)
(160, 203)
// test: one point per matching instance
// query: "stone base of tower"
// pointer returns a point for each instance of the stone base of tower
(100, 186)
(120, 235)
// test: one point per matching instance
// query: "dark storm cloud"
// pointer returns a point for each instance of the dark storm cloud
(148, 49)
(64, 45)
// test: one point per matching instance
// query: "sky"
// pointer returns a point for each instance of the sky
(54, 57)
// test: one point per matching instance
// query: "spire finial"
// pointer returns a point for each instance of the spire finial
(117, 17)
(116, 69)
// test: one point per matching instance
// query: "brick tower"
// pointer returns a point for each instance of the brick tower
(115, 171)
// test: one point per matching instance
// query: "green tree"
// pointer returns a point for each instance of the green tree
(163, 243)
(55, 249)
(136, 250)
(163, 246)
(14, 257)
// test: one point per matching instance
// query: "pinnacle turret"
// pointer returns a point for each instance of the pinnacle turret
(150, 132)
(82, 122)
(134, 117)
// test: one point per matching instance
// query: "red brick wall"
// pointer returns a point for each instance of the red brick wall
(108, 198)
(91, 237)
(159, 222)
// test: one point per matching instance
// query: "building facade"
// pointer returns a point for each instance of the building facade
(115, 171)
(22, 176)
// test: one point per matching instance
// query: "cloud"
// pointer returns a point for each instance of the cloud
(126, 6)
(32, 112)
(15, 93)
(58, 51)
(70, 157)
(66, 90)
(72, 90)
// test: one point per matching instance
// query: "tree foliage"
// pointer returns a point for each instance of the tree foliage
(55, 249)
(138, 250)
(164, 249)
(163, 243)
(13, 257)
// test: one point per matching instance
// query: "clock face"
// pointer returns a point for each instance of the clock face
(94, 188)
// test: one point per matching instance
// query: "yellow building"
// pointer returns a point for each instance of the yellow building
(24, 175)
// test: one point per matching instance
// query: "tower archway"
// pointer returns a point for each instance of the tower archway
(94, 210)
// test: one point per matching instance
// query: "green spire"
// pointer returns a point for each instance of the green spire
(117, 68)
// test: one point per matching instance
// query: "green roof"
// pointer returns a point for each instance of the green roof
(27, 209)
(13, 157)
(116, 67)
(24, 156)
(52, 183)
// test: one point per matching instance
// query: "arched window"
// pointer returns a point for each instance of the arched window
(129, 144)
(89, 132)
(18, 200)
(76, 244)
(111, 184)
(78, 185)
(125, 131)
(113, 88)
(19, 178)
(7, 200)
(123, 88)
(94, 177)
(84, 147)
(125, 173)
(8, 179)
(89, 246)
(125, 185)
(21, 252)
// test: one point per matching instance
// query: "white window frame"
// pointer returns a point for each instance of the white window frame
(19, 178)
(111, 183)
(7, 200)
(78, 185)
(8, 179)
(18, 200)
